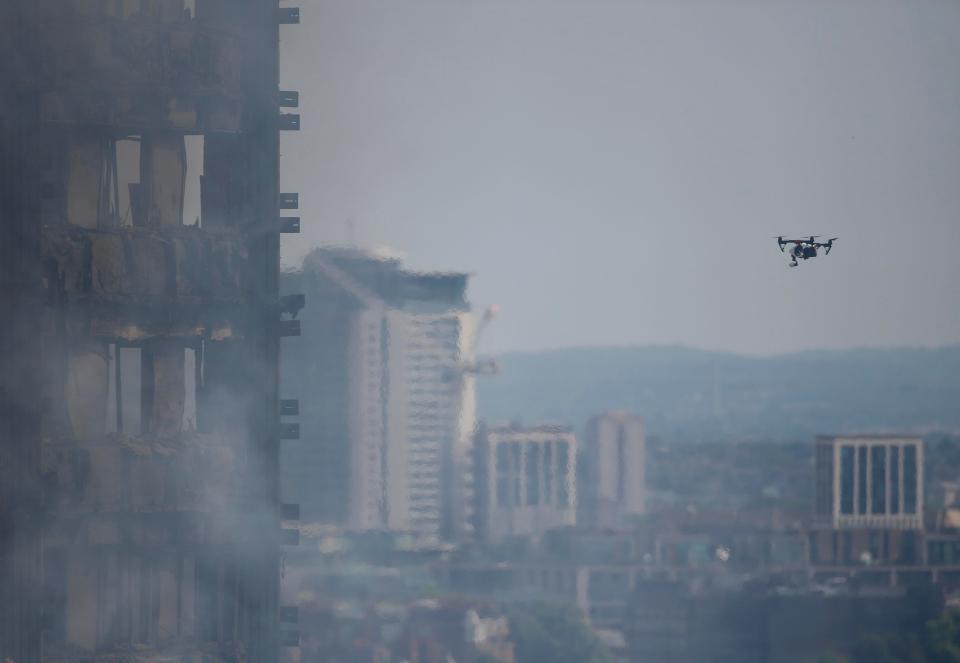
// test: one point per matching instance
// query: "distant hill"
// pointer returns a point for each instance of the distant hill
(697, 396)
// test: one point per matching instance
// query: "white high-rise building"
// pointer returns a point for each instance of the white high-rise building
(613, 483)
(396, 343)
(411, 417)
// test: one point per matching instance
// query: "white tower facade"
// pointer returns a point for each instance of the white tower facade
(613, 486)
(405, 445)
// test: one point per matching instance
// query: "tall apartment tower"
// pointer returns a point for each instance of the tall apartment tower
(869, 499)
(389, 412)
(613, 480)
(139, 342)
(526, 480)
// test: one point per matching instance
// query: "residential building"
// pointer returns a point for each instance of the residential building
(526, 482)
(869, 482)
(678, 621)
(868, 501)
(139, 329)
(418, 631)
(598, 569)
(389, 405)
(612, 482)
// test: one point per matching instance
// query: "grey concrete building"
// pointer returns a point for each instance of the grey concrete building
(526, 480)
(869, 482)
(612, 482)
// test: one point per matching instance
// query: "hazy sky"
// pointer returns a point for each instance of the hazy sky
(612, 172)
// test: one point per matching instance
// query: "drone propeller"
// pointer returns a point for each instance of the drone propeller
(809, 240)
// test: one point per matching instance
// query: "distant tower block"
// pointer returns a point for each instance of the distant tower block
(613, 484)
(869, 482)
(526, 480)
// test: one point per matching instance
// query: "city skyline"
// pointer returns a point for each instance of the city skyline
(613, 173)
(419, 331)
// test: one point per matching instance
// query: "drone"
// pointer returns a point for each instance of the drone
(804, 249)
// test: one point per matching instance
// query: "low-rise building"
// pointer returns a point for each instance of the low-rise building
(526, 480)
(684, 622)
(869, 482)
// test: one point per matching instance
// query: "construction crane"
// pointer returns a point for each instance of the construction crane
(478, 366)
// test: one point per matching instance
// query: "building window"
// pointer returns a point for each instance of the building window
(503, 458)
(910, 479)
(878, 482)
(894, 480)
(503, 474)
(516, 473)
(908, 546)
(846, 480)
(129, 378)
(548, 473)
(533, 473)
(954, 552)
(563, 474)
(191, 375)
(621, 463)
(936, 552)
(862, 480)
(824, 479)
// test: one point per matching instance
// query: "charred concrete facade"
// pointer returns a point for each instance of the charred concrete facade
(139, 344)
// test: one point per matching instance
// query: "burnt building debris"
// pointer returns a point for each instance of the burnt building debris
(140, 329)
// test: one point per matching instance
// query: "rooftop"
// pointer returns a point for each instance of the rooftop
(384, 277)
(829, 439)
